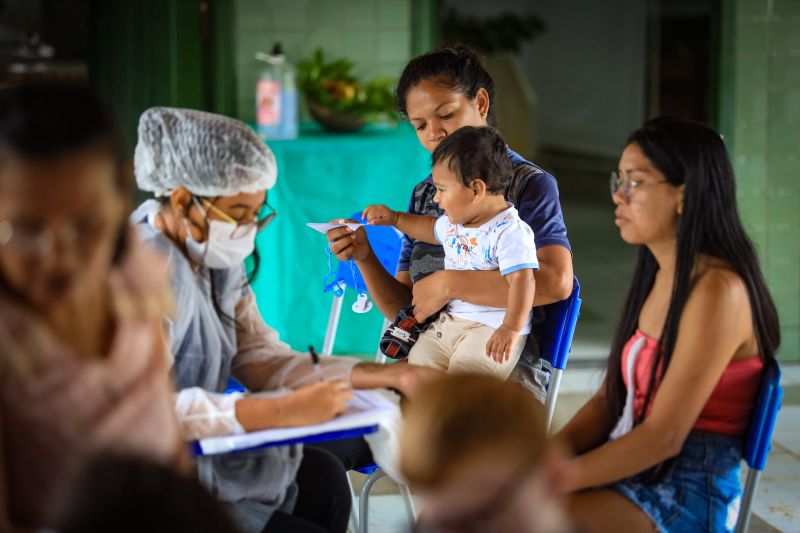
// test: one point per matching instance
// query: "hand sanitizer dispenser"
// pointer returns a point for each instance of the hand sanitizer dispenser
(276, 97)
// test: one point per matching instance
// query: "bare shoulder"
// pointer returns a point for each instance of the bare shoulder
(718, 286)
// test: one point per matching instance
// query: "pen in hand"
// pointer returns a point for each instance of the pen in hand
(315, 362)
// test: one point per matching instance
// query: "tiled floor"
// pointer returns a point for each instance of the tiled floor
(778, 498)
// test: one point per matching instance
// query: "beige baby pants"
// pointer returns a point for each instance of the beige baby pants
(458, 345)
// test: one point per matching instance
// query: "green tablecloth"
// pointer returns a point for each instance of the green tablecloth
(322, 176)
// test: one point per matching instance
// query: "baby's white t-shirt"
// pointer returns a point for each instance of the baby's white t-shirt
(505, 242)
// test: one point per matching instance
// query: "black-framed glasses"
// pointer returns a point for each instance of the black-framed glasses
(623, 182)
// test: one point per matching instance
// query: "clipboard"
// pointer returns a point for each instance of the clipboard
(364, 413)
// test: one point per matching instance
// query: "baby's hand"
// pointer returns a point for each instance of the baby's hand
(501, 343)
(380, 215)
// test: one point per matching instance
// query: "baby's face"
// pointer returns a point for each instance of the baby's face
(456, 199)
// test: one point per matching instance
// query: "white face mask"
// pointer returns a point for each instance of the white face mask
(220, 250)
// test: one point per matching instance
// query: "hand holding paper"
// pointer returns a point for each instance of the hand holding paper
(325, 227)
(347, 239)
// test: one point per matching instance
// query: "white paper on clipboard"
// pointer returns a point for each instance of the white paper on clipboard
(366, 408)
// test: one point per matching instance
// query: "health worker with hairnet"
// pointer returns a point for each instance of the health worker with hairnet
(210, 175)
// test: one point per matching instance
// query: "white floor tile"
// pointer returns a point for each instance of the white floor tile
(777, 501)
(387, 514)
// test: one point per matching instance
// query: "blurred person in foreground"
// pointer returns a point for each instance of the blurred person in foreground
(476, 450)
(83, 365)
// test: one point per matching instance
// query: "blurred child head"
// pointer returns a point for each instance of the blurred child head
(126, 494)
(476, 449)
(469, 166)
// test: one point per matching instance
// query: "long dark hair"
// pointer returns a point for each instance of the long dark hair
(458, 68)
(691, 154)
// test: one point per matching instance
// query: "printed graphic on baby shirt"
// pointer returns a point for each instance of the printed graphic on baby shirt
(461, 245)
(476, 248)
(462, 248)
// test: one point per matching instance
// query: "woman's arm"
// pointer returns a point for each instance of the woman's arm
(264, 363)
(554, 277)
(312, 404)
(590, 426)
(715, 323)
(487, 287)
(404, 377)
(207, 414)
(538, 204)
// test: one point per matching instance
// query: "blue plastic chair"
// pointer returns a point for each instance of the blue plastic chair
(555, 334)
(386, 243)
(759, 437)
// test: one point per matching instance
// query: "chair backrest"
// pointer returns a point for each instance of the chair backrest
(386, 243)
(555, 332)
(765, 414)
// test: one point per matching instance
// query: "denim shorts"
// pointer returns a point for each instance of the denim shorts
(702, 493)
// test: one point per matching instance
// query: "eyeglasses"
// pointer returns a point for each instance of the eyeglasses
(627, 184)
(243, 228)
(30, 239)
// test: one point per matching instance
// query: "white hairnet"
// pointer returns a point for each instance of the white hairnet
(209, 154)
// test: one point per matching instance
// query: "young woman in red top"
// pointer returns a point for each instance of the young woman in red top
(659, 445)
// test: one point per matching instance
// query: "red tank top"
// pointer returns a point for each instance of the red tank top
(727, 410)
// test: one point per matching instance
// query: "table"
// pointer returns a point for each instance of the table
(322, 176)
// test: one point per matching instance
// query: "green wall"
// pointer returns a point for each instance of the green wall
(375, 34)
(199, 54)
(760, 119)
(146, 53)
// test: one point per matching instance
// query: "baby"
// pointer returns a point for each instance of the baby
(475, 449)
(479, 231)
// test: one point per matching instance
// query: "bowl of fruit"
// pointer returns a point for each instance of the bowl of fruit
(338, 99)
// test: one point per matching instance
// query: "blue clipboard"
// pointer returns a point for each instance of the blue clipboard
(196, 449)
